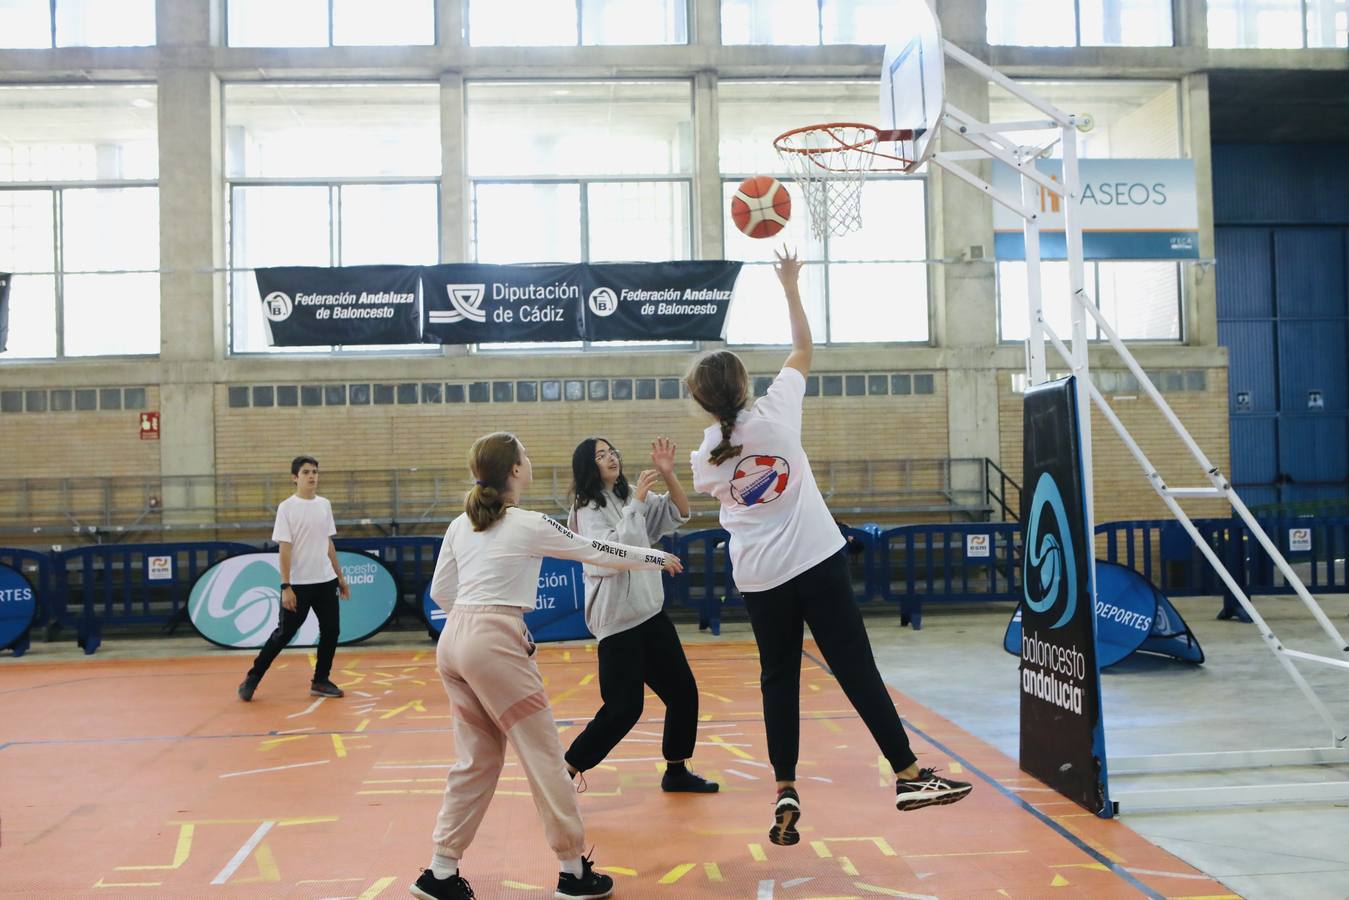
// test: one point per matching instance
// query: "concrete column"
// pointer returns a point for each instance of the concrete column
(455, 203)
(451, 16)
(707, 202)
(705, 29)
(1201, 283)
(192, 295)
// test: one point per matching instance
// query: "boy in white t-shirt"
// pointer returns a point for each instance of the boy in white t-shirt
(310, 579)
(788, 561)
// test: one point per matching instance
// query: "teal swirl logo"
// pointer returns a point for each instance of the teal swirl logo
(1050, 569)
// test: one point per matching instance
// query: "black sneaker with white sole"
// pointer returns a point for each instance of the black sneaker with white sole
(928, 789)
(786, 813)
(324, 689)
(429, 887)
(681, 781)
(591, 885)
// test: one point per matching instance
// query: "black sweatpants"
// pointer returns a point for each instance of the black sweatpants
(322, 598)
(649, 654)
(820, 597)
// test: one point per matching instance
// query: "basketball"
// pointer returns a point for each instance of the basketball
(761, 206)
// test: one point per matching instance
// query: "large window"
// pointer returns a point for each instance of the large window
(330, 23)
(1133, 119)
(1278, 23)
(867, 286)
(79, 220)
(307, 187)
(806, 21)
(1087, 23)
(537, 23)
(38, 24)
(580, 172)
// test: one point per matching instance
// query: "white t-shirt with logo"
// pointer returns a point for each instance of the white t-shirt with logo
(306, 525)
(779, 524)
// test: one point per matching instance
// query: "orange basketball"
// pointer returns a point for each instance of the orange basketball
(761, 206)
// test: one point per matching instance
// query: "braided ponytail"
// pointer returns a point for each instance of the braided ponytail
(719, 384)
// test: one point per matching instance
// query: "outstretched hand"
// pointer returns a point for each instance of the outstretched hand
(788, 267)
(662, 455)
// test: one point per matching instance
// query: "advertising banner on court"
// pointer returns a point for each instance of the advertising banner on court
(1128, 209)
(559, 605)
(308, 306)
(18, 606)
(237, 601)
(5, 278)
(675, 301)
(683, 301)
(1062, 739)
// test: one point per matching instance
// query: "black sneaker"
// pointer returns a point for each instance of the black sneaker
(928, 789)
(682, 781)
(429, 887)
(246, 689)
(590, 886)
(786, 814)
(324, 689)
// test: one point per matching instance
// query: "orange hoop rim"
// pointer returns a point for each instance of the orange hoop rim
(868, 146)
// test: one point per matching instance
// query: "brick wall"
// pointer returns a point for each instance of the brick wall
(75, 443)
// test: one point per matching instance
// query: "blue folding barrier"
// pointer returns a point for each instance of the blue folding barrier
(960, 563)
(40, 569)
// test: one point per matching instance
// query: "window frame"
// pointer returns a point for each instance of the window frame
(54, 45)
(1172, 8)
(1093, 270)
(434, 42)
(579, 6)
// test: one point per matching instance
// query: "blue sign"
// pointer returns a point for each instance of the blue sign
(237, 602)
(18, 605)
(559, 605)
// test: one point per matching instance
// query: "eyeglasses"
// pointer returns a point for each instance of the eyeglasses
(602, 455)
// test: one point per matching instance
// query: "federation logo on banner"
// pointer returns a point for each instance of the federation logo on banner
(277, 306)
(465, 305)
(685, 300)
(307, 306)
(603, 301)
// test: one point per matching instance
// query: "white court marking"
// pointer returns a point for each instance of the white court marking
(233, 865)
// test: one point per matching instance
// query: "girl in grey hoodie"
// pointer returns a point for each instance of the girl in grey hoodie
(625, 610)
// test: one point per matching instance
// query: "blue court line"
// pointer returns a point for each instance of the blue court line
(1011, 795)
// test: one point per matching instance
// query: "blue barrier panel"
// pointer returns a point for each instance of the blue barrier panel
(40, 569)
(1163, 553)
(127, 584)
(707, 575)
(1315, 546)
(962, 563)
(411, 559)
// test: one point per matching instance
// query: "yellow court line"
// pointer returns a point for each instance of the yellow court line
(756, 853)
(618, 870)
(361, 727)
(521, 886)
(377, 888)
(676, 873)
(180, 851)
(588, 678)
(126, 884)
(716, 696)
(267, 870)
(721, 742)
(298, 820)
(338, 747)
(403, 791)
(400, 780)
(971, 853)
(712, 871)
(847, 866)
(821, 849)
(269, 743)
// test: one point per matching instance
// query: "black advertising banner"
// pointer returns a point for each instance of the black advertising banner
(1062, 735)
(676, 301)
(4, 310)
(310, 306)
(479, 303)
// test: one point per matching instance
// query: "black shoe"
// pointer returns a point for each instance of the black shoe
(246, 689)
(590, 886)
(786, 814)
(928, 789)
(682, 781)
(429, 887)
(324, 689)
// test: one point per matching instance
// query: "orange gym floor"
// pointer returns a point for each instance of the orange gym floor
(149, 779)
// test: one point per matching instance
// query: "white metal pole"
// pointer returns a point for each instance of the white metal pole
(1072, 233)
(1035, 340)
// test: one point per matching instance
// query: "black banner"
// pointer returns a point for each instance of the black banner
(316, 306)
(684, 301)
(667, 301)
(478, 303)
(4, 310)
(1062, 738)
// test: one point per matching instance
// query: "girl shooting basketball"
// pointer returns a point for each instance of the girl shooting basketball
(788, 561)
(486, 578)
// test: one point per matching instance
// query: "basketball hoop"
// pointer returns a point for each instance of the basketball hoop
(831, 163)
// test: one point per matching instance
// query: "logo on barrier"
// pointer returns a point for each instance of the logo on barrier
(1050, 569)
(759, 479)
(559, 604)
(159, 568)
(466, 300)
(1299, 540)
(237, 602)
(277, 306)
(977, 545)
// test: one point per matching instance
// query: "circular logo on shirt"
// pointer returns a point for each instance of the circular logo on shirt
(759, 479)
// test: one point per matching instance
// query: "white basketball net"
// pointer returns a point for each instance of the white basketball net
(830, 163)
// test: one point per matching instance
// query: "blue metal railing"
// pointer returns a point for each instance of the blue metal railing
(950, 563)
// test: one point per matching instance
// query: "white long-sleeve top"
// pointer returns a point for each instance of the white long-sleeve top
(500, 566)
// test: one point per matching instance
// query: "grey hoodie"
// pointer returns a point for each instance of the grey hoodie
(618, 600)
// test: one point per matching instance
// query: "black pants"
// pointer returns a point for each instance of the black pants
(648, 654)
(820, 597)
(322, 598)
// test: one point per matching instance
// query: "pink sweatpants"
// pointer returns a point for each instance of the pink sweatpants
(497, 696)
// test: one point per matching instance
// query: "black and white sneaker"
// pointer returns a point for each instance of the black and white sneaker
(324, 689)
(928, 789)
(429, 887)
(590, 886)
(786, 813)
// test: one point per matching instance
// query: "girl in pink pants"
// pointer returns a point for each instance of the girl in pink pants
(486, 579)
